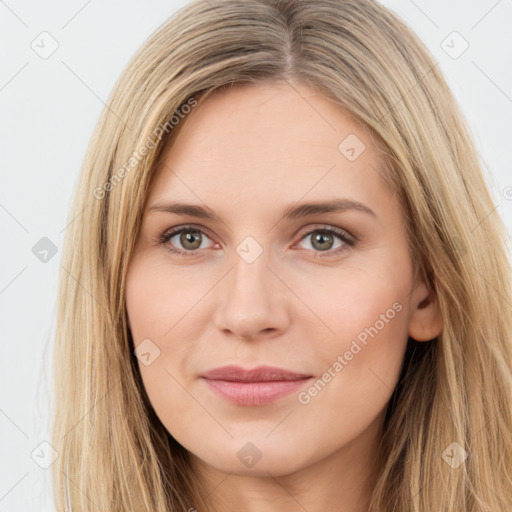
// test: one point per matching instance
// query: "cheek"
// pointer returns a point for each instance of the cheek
(352, 298)
(369, 291)
(160, 308)
(360, 356)
(159, 296)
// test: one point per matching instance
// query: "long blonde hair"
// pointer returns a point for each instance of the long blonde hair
(114, 453)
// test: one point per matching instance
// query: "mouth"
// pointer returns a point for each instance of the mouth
(258, 386)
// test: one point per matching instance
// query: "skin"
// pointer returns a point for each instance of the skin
(247, 153)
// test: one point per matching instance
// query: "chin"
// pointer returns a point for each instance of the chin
(254, 459)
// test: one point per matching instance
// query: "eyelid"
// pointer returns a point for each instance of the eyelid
(170, 232)
(329, 228)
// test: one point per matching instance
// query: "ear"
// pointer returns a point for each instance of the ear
(426, 320)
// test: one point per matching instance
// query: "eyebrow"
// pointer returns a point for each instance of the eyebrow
(294, 211)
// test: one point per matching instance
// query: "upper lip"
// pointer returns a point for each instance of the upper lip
(259, 374)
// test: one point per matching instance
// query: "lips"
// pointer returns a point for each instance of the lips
(234, 373)
(257, 386)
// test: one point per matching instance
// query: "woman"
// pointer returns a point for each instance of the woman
(337, 335)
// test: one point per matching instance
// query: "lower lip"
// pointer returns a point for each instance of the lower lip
(255, 393)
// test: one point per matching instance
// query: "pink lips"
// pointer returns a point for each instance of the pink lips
(258, 386)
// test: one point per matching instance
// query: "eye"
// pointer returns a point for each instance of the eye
(323, 240)
(189, 238)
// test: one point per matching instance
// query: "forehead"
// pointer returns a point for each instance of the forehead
(275, 143)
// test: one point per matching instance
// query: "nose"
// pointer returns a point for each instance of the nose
(253, 301)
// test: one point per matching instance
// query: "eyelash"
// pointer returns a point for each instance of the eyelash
(348, 241)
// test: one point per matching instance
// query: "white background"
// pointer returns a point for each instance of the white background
(48, 110)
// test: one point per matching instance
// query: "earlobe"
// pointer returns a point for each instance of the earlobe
(426, 320)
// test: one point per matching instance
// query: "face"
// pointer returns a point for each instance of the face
(251, 277)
